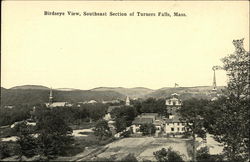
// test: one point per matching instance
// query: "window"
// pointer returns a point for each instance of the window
(172, 129)
(183, 129)
(178, 129)
(178, 123)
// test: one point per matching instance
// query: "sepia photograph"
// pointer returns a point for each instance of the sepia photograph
(125, 81)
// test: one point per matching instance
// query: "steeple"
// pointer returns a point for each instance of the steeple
(214, 82)
(50, 97)
(127, 101)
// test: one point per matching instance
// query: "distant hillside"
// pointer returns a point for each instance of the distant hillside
(30, 87)
(136, 92)
(38, 96)
(33, 94)
(185, 92)
(66, 89)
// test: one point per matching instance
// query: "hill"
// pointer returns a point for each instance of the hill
(39, 96)
(136, 92)
(30, 87)
(185, 92)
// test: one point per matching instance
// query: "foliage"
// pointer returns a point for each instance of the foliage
(54, 134)
(123, 116)
(204, 156)
(4, 150)
(102, 129)
(192, 113)
(237, 66)
(231, 124)
(26, 140)
(152, 105)
(17, 113)
(148, 129)
(120, 124)
(130, 158)
(168, 155)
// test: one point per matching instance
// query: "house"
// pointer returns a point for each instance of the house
(174, 100)
(173, 125)
(9, 107)
(56, 104)
(147, 118)
(92, 102)
(108, 114)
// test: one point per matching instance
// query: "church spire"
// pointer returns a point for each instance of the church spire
(127, 101)
(50, 97)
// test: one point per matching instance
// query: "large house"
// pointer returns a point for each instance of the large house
(173, 125)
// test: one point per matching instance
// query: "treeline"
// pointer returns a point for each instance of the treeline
(18, 113)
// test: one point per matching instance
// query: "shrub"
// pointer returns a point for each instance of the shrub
(168, 155)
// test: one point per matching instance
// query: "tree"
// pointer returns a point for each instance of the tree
(204, 156)
(232, 127)
(102, 129)
(237, 66)
(168, 155)
(26, 141)
(4, 150)
(54, 135)
(120, 124)
(152, 105)
(148, 129)
(126, 113)
(192, 112)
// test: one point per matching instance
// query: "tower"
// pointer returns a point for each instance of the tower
(50, 97)
(214, 82)
(214, 68)
(127, 101)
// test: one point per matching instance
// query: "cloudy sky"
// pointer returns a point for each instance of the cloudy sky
(86, 52)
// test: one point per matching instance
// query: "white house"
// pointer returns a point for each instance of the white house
(173, 125)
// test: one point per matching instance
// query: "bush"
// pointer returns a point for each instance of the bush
(204, 156)
(168, 155)
(130, 158)
(4, 150)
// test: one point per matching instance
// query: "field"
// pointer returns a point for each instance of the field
(143, 148)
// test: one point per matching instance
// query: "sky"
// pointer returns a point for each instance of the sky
(85, 52)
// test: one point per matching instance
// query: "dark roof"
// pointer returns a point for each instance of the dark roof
(175, 119)
(139, 120)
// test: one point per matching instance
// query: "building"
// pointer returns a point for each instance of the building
(108, 114)
(147, 118)
(52, 104)
(174, 103)
(173, 123)
(127, 102)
